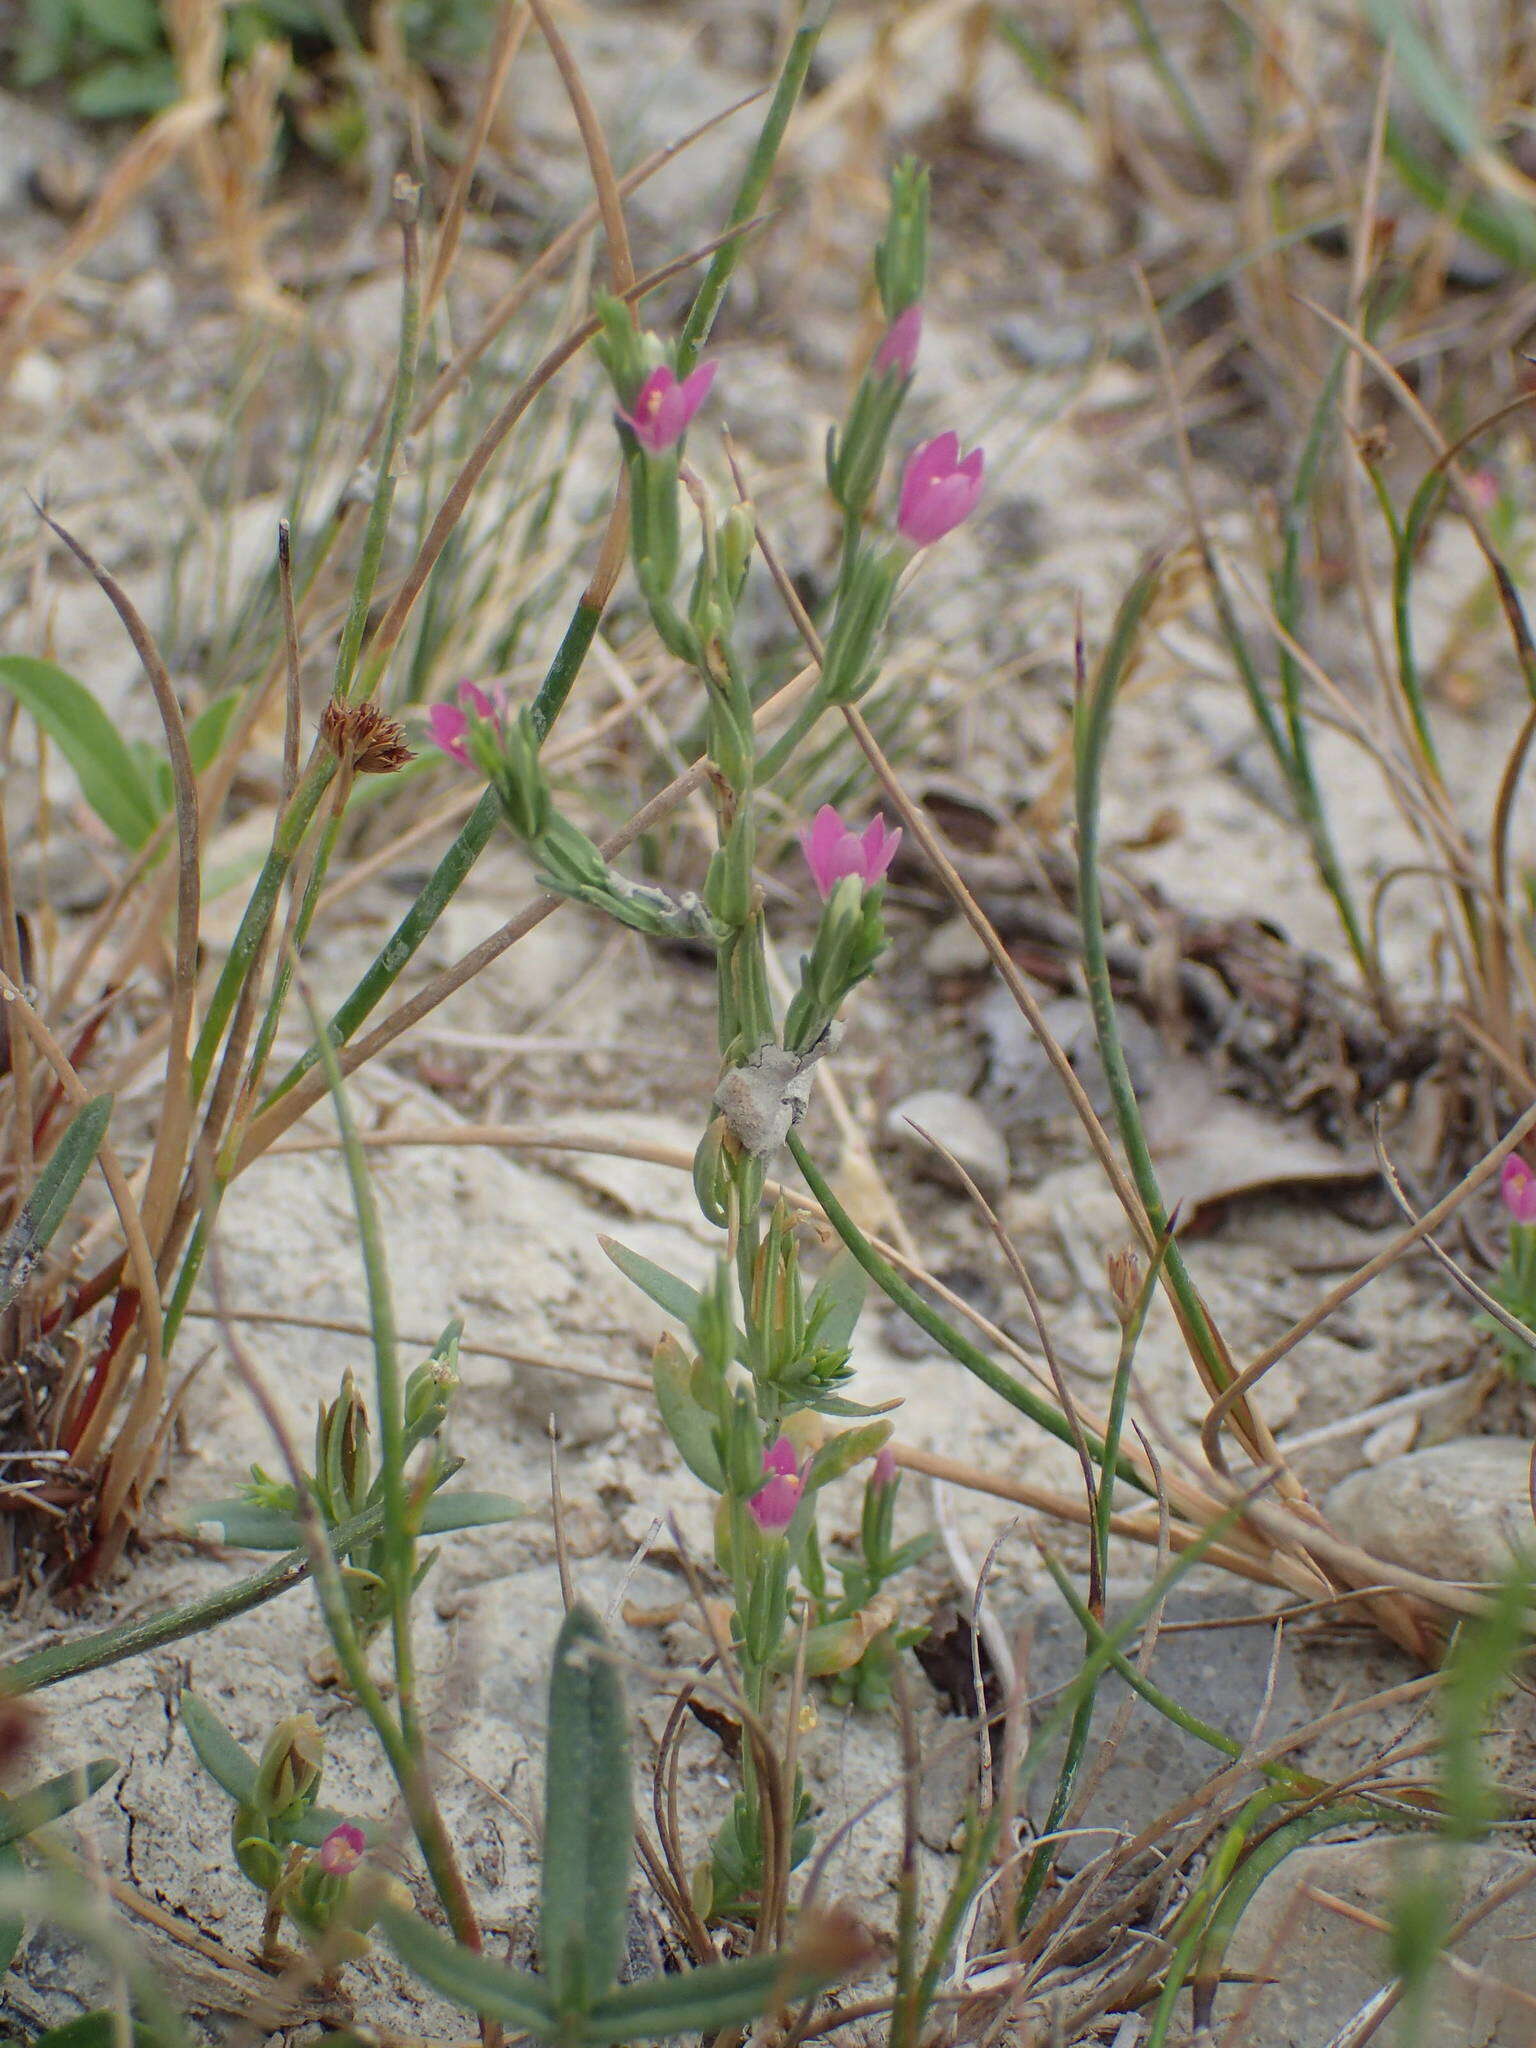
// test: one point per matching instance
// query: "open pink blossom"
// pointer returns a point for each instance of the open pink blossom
(773, 1506)
(664, 407)
(448, 724)
(342, 1850)
(1517, 1184)
(938, 490)
(898, 351)
(833, 849)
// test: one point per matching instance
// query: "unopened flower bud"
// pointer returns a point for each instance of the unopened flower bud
(1123, 1271)
(290, 1764)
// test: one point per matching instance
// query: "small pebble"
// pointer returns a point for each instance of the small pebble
(962, 1128)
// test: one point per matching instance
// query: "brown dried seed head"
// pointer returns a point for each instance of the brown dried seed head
(364, 737)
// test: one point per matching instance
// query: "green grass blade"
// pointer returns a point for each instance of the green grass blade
(49, 1202)
(701, 315)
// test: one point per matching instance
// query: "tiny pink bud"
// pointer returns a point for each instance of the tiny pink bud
(342, 1850)
(833, 850)
(884, 1474)
(938, 490)
(898, 351)
(773, 1506)
(664, 407)
(1517, 1184)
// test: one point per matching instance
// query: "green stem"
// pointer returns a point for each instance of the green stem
(959, 1348)
(384, 490)
(448, 876)
(701, 315)
(287, 839)
(125, 1639)
(1103, 1507)
(1090, 739)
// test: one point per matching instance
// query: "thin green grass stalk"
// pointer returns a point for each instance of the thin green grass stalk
(1294, 1784)
(1405, 546)
(1196, 1913)
(399, 1539)
(1090, 740)
(292, 828)
(407, 203)
(1288, 598)
(1263, 1858)
(1102, 1507)
(760, 165)
(983, 1832)
(108, 1646)
(1171, 80)
(975, 1361)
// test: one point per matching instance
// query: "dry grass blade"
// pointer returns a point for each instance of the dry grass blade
(171, 1138)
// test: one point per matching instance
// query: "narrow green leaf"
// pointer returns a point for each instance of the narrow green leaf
(664, 1288)
(48, 1204)
(474, 1982)
(206, 733)
(29, 1811)
(690, 1426)
(589, 1822)
(245, 1525)
(217, 1750)
(12, 1926)
(699, 2001)
(838, 1300)
(109, 776)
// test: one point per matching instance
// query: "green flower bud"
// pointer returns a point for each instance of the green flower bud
(342, 1461)
(290, 1765)
(901, 261)
(863, 604)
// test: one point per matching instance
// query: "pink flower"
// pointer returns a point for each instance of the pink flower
(884, 1474)
(773, 1506)
(938, 490)
(342, 1850)
(833, 849)
(448, 724)
(664, 407)
(898, 351)
(1517, 1184)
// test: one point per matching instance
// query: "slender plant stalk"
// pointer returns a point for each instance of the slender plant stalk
(711, 293)
(407, 198)
(975, 1361)
(1091, 735)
